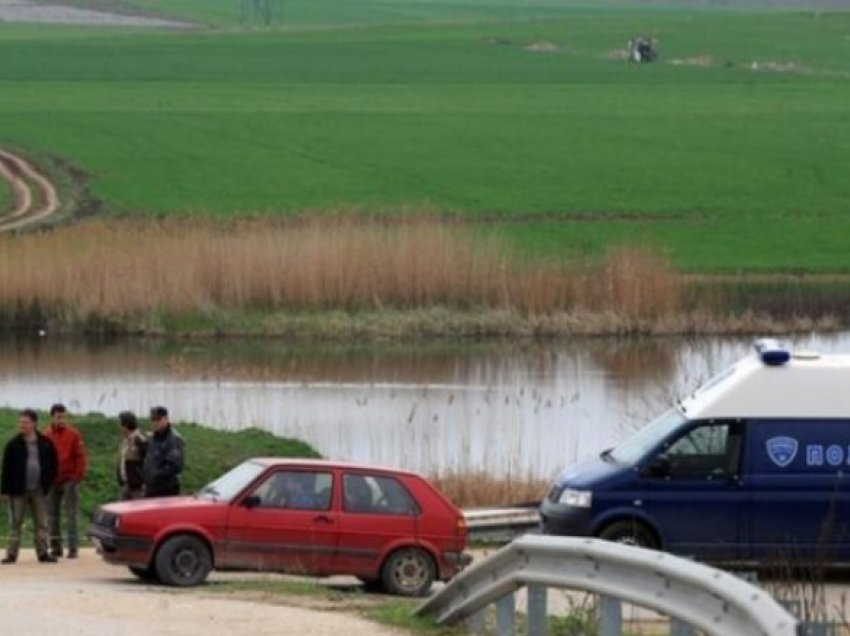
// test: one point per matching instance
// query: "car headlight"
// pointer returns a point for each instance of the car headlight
(576, 498)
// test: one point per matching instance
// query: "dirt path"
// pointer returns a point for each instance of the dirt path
(34, 197)
(88, 597)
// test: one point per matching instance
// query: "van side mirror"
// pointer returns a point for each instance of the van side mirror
(659, 467)
(251, 502)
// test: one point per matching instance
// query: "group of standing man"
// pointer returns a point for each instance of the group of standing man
(42, 473)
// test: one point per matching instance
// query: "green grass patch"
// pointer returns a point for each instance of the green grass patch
(278, 587)
(209, 453)
(386, 610)
(415, 105)
(399, 613)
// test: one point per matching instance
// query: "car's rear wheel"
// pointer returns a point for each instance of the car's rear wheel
(408, 572)
(148, 575)
(630, 532)
(183, 561)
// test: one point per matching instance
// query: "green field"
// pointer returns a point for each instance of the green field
(426, 105)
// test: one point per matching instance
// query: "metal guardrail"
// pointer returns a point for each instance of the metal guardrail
(695, 596)
(500, 525)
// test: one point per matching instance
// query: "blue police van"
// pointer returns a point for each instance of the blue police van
(752, 467)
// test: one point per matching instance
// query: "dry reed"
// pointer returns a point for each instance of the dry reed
(478, 489)
(112, 270)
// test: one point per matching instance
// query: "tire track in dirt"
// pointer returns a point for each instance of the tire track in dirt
(34, 197)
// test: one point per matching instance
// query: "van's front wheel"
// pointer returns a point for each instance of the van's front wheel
(630, 532)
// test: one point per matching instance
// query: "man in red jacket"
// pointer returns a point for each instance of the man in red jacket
(71, 469)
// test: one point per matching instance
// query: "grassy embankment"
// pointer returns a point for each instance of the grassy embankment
(209, 453)
(454, 108)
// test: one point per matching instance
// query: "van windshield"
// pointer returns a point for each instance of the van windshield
(638, 445)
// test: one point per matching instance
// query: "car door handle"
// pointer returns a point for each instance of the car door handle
(322, 519)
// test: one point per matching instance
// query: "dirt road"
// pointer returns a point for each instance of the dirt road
(88, 597)
(34, 197)
(44, 13)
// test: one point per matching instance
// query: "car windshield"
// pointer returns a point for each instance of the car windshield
(638, 445)
(231, 483)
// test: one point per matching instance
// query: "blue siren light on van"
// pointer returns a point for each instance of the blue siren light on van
(771, 352)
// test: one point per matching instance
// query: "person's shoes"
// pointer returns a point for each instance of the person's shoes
(47, 558)
(56, 553)
(72, 553)
(8, 560)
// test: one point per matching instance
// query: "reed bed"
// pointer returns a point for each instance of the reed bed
(479, 489)
(112, 270)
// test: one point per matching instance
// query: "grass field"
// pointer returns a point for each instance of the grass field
(422, 105)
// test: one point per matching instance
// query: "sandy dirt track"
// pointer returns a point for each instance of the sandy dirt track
(34, 197)
(36, 12)
(88, 597)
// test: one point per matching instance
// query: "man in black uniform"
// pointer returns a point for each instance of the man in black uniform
(164, 457)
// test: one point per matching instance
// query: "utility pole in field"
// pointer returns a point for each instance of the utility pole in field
(265, 12)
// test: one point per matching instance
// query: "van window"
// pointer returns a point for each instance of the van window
(635, 448)
(711, 451)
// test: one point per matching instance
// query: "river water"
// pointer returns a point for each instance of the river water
(521, 409)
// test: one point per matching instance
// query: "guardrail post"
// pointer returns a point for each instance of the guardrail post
(475, 624)
(538, 623)
(678, 628)
(610, 616)
(505, 615)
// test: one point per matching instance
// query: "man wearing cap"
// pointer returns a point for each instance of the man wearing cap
(131, 457)
(71, 453)
(164, 457)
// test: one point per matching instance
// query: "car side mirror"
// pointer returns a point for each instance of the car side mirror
(251, 502)
(659, 467)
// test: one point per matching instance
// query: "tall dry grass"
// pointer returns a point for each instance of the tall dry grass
(117, 269)
(480, 489)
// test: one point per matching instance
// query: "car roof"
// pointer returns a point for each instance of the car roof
(328, 464)
(809, 385)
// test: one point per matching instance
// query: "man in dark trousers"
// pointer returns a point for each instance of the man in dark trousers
(131, 457)
(164, 457)
(29, 469)
(66, 489)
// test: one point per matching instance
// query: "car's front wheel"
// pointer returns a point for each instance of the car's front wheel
(183, 561)
(148, 575)
(408, 572)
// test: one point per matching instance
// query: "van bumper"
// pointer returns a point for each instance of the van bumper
(560, 519)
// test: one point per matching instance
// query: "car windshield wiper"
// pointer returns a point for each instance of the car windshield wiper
(210, 490)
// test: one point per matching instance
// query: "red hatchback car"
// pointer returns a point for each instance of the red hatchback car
(385, 526)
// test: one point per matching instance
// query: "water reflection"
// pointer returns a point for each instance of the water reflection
(525, 409)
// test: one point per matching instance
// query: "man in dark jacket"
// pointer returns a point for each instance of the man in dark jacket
(131, 457)
(29, 469)
(164, 457)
